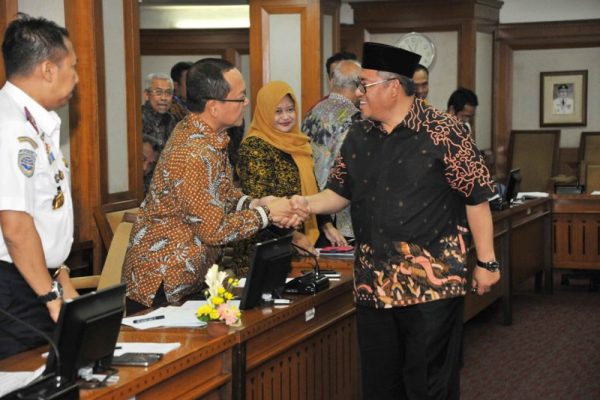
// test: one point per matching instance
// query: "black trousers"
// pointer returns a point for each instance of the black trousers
(18, 299)
(411, 352)
(160, 300)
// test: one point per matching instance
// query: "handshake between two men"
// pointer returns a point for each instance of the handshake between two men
(287, 213)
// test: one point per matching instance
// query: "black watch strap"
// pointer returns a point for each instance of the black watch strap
(53, 294)
(491, 266)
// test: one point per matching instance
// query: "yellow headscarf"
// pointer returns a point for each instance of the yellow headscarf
(294, 143)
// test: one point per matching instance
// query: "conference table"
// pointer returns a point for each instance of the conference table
(307, 349)
(304, 350)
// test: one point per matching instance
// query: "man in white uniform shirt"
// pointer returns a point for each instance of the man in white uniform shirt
(36, 210)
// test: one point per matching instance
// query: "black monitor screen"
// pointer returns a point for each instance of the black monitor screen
(87, 331)
(512, 185)
(271, 264)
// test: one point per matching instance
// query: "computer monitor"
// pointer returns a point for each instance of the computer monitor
(513, 184)
(271, 264)
(87, 331)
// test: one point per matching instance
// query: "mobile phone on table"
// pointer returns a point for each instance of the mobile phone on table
(136, 359)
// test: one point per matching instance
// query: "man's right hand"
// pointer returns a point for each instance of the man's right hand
(284, 215)
(54, 308)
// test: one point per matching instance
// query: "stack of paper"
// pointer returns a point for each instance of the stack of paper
(532, 195)
(139, 347)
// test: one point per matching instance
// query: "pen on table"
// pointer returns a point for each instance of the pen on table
(137, 321)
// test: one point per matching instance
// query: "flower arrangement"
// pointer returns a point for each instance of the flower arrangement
(218, 295)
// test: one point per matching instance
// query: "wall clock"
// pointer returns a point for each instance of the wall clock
(420, 44)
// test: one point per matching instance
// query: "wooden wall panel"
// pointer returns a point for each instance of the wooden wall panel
(84, 22)
(322, 367)
(193, 41)
(8, 11)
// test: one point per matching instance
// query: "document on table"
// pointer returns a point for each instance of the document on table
(143, 347)
(10, 381)
(532, 195)
(171, 316)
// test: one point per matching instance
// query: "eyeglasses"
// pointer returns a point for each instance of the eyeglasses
(363, 88)
(160, 92)
(242, 100)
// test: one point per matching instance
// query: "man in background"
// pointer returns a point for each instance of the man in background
(463, 104)
(421, 80)
(157, 121)
(336, 58)
(150, 153)
(36, 210)
(327, 124)
(179, 74)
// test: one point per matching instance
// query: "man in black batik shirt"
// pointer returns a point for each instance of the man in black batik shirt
(418, 189)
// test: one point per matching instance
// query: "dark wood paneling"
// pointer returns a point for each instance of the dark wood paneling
(551, 35)
(8, 11)
(86, 112)
(193, 41)
(432, 15)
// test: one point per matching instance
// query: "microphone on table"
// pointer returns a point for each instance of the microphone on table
(310, 282)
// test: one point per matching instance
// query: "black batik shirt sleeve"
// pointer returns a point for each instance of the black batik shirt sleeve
(339, 178)
(466, 172)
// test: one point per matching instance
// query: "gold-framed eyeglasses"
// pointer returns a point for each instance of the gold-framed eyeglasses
(363, 88)
(161, 92)
(242, 100)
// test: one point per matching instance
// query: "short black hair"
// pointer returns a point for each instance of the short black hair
(205, 81)
(29, 41)
(178, 69)
(421, 67)
(461, 97)
(339, 56)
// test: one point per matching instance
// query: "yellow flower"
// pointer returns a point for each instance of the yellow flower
(230, 281)
(228, 296)
(214, 314)
(203, 310)
(217, 300)
(221, 290)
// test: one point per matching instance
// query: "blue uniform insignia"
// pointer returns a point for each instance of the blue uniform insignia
(27, 162)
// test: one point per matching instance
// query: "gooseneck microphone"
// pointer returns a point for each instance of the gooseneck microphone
(310, 282)
(316, 267)
(42, 334)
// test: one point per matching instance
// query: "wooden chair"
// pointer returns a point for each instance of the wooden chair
(113, 266)
(108, 218)
(536, 154)
(589, 160)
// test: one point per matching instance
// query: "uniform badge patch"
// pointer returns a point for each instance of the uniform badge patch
(27, 162)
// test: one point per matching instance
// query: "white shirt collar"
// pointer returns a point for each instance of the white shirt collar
(47, 121)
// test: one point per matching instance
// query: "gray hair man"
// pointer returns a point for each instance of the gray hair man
(157, 121)
(327, 124)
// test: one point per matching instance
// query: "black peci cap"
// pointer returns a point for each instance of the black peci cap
(382, 57)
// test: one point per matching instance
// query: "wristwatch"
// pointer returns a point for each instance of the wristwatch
(55, 293)
(491, 266)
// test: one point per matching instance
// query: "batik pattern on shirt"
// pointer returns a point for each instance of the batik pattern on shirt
(408, 191)
(187, 216)
(327, 124)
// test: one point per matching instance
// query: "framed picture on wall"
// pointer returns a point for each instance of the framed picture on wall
(563, 98)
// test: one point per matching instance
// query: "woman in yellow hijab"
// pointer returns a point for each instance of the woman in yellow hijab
(275, 158)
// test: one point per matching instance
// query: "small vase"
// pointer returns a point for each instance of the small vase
(217, 328)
